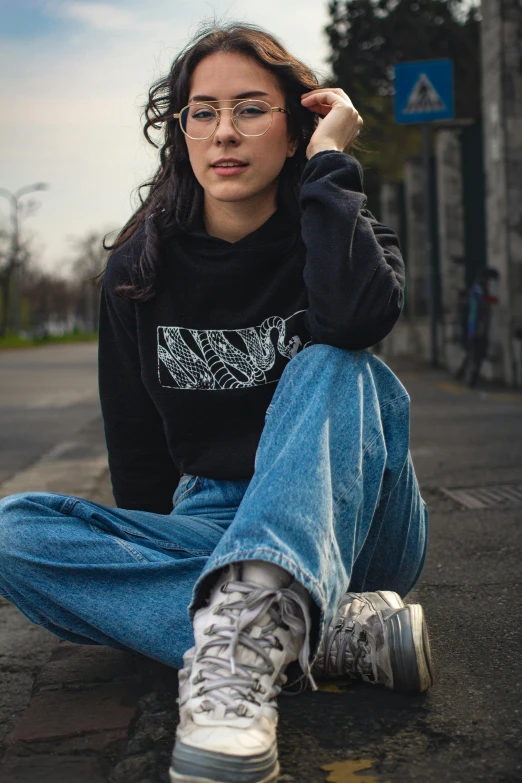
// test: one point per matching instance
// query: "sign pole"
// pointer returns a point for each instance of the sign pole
(432, 276)
(424, 94)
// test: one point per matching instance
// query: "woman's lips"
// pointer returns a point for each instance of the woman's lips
(228, 171)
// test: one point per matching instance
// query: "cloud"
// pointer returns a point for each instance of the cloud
(78, 94)
(101, 16)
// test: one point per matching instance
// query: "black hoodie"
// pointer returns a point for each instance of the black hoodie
(186, 378)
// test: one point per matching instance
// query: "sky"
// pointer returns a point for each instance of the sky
(74, 80)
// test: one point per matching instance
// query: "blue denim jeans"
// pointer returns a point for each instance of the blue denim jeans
(334, 500)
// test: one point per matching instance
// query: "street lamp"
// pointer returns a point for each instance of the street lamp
(12, 263)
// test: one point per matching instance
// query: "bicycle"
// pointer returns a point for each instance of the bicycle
(475, 326)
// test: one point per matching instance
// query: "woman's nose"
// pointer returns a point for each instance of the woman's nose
(226, 130)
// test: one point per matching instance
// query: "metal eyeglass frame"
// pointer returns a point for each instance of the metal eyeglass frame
(177, 116)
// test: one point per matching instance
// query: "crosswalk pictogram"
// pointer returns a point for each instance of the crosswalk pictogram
(423, 98)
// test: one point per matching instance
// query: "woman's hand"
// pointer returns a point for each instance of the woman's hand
(341, 123)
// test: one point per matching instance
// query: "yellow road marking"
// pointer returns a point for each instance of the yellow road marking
(346, 771)
(335, 686)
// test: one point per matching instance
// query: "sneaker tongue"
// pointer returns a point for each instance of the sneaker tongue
(264, 574)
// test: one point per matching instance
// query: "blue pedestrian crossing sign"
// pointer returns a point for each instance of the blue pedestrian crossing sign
(424, 91)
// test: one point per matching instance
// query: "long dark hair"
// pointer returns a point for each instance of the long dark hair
(175, 197)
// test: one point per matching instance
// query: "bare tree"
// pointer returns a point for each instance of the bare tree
(30, 285)
(12, 269)
(4, 279)
(14, 255)
(51, 301)
(88, 262)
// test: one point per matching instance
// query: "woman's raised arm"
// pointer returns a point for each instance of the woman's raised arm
(354, 272)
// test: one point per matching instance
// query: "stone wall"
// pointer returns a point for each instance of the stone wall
(390, 206)
(502, 108)
(418, 270)
(450, 214)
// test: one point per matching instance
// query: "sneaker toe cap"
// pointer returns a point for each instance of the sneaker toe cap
(228, 740)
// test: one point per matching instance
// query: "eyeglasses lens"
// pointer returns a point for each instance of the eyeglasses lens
(251, 118)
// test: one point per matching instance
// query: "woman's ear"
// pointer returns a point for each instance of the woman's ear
(292, 148)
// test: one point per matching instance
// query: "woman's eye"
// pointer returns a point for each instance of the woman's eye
(203, 115)
(251, 111)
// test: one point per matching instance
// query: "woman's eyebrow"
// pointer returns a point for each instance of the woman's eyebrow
(210, 98)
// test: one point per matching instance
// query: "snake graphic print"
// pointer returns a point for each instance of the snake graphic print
(218, 359)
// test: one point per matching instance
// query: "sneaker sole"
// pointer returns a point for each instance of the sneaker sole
(410, 654)
(200, 766)
(175, 778)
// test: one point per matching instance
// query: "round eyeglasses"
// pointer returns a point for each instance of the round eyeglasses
(199, 121)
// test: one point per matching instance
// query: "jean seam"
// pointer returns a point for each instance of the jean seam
(359, 473)
(395, 399)
(161, 544)
(189, 491)
(120, 542)
(423, 559)
(392, 490)
(68, 505)
(368, 446)
(172, 546)
(4, 593)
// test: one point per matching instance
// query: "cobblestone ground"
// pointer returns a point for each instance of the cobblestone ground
(24, 648)
(103, 716)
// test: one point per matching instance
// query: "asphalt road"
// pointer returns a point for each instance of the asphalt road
(467, 728)
(46, 394)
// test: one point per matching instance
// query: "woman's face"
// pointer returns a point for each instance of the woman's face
(227, 77)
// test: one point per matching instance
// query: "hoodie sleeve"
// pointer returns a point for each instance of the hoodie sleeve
(354, 271)
(143, 474)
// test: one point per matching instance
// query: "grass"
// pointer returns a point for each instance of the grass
(13, 341)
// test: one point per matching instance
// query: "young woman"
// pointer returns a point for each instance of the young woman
(237, 305)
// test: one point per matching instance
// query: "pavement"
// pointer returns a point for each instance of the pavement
(104, 716)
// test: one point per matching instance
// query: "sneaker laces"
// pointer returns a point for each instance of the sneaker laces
(285, 608)
(353, 654)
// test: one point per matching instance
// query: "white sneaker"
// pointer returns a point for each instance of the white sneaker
(256, 622)
(376, 638)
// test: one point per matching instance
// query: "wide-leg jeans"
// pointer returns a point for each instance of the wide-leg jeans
(334, 500)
